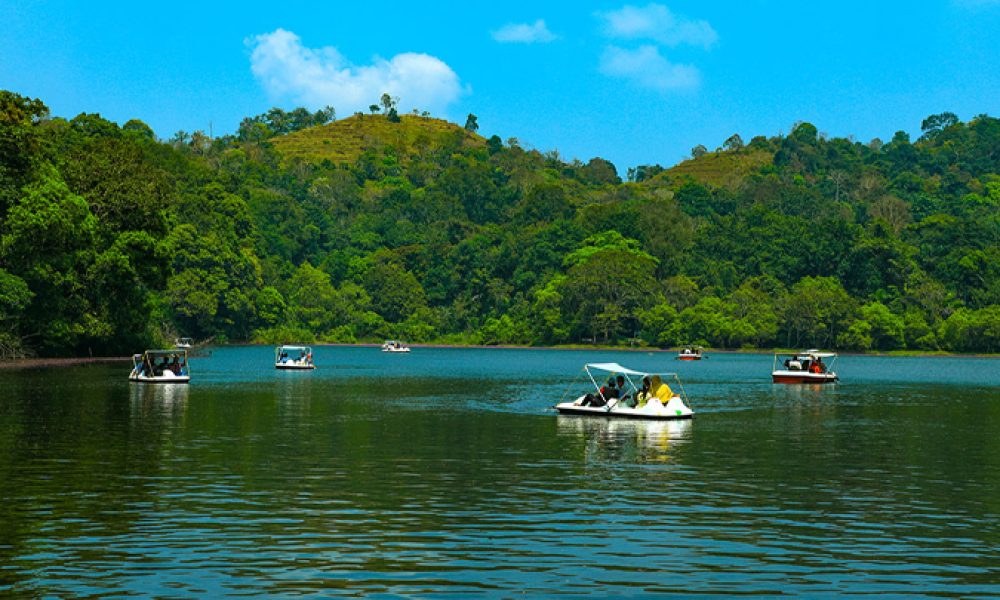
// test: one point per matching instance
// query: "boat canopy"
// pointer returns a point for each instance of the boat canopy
(617, 368)
(294, 348)
(174, 352)
(808, 353)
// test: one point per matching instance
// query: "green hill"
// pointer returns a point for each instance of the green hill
(720, 169)
(111, 240)
(345, 140)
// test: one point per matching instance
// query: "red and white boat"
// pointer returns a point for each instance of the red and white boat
(804, 367)
(689, 353)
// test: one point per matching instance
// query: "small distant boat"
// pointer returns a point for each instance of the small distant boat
(659, 402)
(804, 367)
(394, 346)
(184, 342)
(161, 366)
(690, 353)
(293, 358)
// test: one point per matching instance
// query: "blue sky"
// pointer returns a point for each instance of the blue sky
(636, 83)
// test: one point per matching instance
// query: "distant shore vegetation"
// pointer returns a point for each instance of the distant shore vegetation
(308, 228)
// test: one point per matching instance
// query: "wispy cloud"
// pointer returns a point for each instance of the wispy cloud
(524, 33)
(648, 68)
(322, 76)
(656, 22)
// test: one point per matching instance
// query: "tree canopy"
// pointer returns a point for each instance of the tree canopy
(381, 225)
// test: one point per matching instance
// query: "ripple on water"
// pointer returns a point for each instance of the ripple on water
(462, 482)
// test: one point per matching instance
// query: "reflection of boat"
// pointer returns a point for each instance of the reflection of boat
(161, 366)
(293, 358)
(168, 396)
(629, 440)
(672, 430)
(660, 402)
(803, 367)
(690, 353)
(394, 346)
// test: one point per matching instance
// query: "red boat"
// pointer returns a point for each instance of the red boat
(690, 353)
(804, 367)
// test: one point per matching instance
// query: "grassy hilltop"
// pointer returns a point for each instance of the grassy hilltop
(344, 141)
(720, 169)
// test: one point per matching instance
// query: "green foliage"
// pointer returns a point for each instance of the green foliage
(472, 123)
(395, 293)
(302, 228)
(21, 145)
(816, 311)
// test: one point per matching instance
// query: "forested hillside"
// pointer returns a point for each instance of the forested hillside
(305, 228)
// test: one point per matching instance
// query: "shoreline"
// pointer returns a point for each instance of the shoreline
(708, 351)
(35, 363)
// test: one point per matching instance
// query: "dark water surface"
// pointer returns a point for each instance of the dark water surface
(444, 473)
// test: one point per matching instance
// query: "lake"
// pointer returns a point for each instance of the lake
(444, 472)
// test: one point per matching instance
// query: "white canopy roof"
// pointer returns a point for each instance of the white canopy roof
(293, 348)
(808, 353)
(617, 368)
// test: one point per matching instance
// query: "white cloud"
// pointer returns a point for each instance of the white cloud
(648, 68)
(656, 22)
(322, 76)
(524, 33)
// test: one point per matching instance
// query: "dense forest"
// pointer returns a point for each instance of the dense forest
(302, 227)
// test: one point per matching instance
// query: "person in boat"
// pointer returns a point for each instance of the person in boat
(284, 357)
(623, 396)
(643, 394)
(817, 366)
(605, 393)
(175, 366)
(659, 391)
(610, 390)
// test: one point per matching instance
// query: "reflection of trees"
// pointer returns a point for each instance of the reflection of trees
(75, 452)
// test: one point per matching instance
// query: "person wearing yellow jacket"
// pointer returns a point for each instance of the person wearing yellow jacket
(656, 389)
(660, 390)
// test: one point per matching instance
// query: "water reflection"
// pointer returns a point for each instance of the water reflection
(157, 408)
(446, 473)
(162, 397)
(627, 439)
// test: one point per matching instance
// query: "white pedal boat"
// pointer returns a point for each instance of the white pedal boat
(293, 358)
(648, 405)
(804, 367)
(161, 366)
(394, 346)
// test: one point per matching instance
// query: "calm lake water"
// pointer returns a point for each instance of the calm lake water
(445, 473)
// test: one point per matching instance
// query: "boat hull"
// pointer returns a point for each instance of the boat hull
(593, 411)
(293, 367)
(675, 409)
(683, 357)
(802, 377)
(161, 379)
